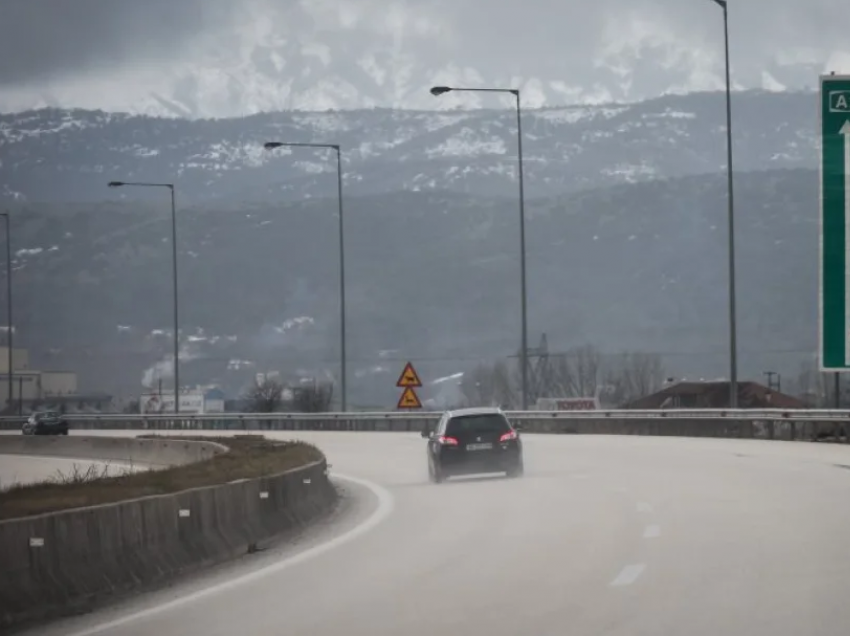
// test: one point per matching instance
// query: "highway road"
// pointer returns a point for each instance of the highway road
(25, 469)
(621, 536)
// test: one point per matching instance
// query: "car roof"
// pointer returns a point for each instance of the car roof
(481, 410)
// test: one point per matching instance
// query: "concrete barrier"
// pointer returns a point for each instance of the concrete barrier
(66, 562)
(130, 450)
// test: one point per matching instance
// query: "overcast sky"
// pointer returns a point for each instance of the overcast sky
(66, 49)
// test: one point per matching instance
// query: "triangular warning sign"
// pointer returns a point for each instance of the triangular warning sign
(408, 377)
(409, 400)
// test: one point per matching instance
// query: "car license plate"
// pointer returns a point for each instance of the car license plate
(475, 447)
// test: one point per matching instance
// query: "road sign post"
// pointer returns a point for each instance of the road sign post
(835, 223)
(409, 380)
(409, 400)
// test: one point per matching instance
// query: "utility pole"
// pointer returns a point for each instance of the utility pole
(777, 386)
(441, 90)
(733, 327)
(10, 329)
(271, 145)
(837, 390)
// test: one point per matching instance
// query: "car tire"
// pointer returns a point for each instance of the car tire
(435, 474)
(516, 471)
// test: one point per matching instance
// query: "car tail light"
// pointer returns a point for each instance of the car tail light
(447, 441)
(508, 436)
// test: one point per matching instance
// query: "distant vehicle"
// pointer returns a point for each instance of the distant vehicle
(470, 441)
(45, 423)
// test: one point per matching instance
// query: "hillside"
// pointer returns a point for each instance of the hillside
(60, 155)
(431, 276)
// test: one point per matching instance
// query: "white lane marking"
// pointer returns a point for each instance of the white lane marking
(650, 532)
(628, 575)
(642, 506)
(386, 504)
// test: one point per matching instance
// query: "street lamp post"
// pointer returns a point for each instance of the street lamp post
(733, 335)
(440, 90)
(170, 186)
(9, 328)
(271, 145)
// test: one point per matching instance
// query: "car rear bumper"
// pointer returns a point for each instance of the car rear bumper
(495, 461)
(53, 430)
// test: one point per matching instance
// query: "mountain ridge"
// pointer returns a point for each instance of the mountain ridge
(56, 155)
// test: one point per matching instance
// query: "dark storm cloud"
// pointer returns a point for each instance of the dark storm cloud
(570, 29)
(42, 40)
(46, 38)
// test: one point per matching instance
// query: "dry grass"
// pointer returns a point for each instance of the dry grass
(250, 456)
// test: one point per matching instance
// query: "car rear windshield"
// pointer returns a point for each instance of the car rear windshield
(471, 424)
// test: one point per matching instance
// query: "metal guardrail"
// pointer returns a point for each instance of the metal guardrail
(707, 414)
(811, 424)
(798, 415)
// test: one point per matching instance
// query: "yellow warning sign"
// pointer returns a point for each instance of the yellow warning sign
(408, 377)
(409, 400)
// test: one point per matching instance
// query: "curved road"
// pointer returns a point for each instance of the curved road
(620, 536)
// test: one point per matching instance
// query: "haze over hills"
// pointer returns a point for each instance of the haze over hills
(259, 283)
(619, 257)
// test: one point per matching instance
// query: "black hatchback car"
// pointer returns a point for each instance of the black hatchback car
(471, 441)
(45, 423)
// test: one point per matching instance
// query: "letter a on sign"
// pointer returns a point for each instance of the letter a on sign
(409, 400)
(408, 378)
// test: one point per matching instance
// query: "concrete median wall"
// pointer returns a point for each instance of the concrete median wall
(130, 450)
(64, 562)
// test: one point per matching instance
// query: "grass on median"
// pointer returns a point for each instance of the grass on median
(250, 456)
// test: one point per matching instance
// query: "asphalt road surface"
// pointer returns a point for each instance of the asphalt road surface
(26, 469)
(621, 536)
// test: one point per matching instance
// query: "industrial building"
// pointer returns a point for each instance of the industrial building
(36, 389)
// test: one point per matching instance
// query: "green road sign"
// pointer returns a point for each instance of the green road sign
(835, 223)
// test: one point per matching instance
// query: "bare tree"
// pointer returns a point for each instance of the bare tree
(488, 385)
(807, 385)
(816, 388)
(633, 375)
(313, 398)
(503, 393)
(576, 373)
(264, 396)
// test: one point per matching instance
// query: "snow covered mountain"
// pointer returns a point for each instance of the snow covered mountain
(61, 155)
(626, 245)
(431, 277)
